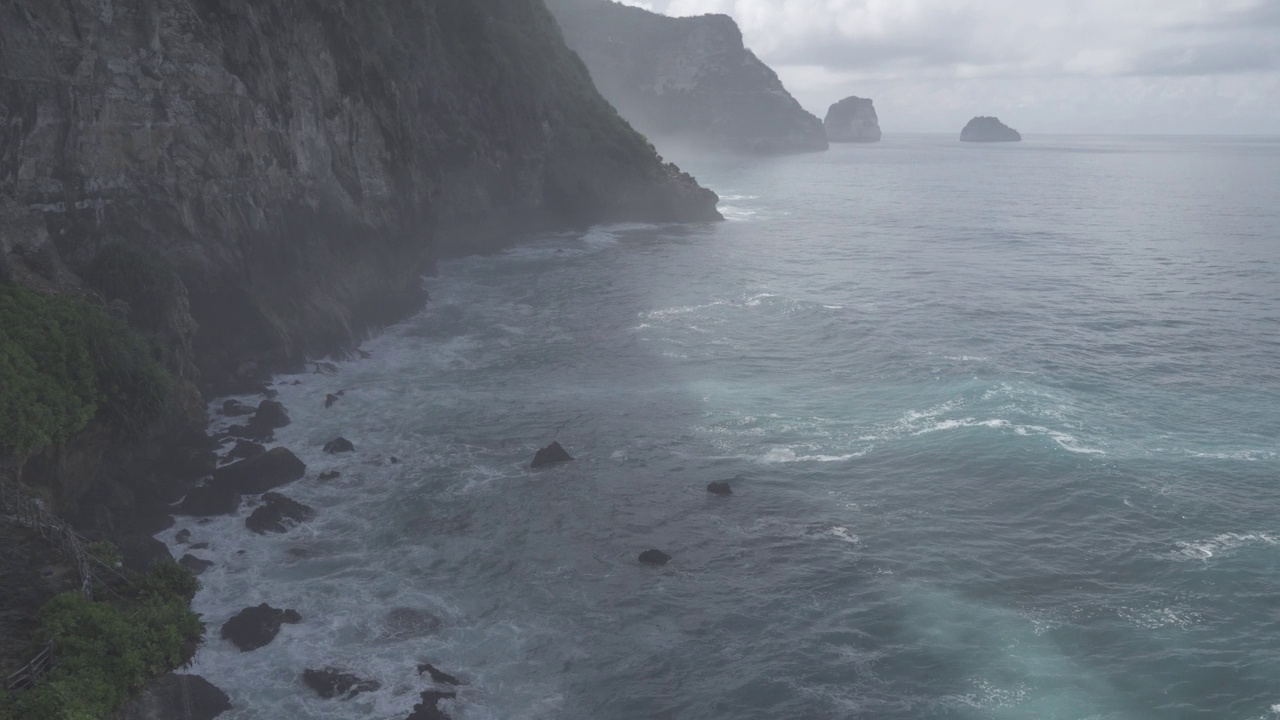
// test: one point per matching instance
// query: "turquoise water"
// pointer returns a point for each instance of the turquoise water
(1002, 422)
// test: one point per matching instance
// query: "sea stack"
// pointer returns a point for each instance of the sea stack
(853, 119)
(988, 129)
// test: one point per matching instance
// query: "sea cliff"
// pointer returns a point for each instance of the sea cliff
(689, 79)
(229, 187)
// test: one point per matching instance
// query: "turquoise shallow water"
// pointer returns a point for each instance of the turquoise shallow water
(1003, 425)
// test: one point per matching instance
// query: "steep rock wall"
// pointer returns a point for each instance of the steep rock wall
(301, 163)
(687, 78)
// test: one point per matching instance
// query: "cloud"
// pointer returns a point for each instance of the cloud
(1142, 61)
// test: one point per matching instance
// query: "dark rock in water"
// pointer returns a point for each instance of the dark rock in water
(407, 622)
(183, 537)
(654, 557)
(259, 474)
(141, 552)
(269, 416)
(235, 408)
(200, 546)
(189, 697)
(395, 460)
(278, 514)
(196, 565)
(719, 487)
(364, 353)
(268, 392)
(427, 710)
(325, 368)
(330, 474)
(249, 432)
(550, 455)
(853, 119)
(329, 400)
(332, 683)
(246, 449)
(209, 500)
(437, 675)
(339, 445)
(255, 627)
(988, 129)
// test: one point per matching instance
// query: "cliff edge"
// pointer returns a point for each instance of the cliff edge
(300, 165)
(853, 119)
(687, 78)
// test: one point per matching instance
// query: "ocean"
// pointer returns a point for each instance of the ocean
(1002, 424)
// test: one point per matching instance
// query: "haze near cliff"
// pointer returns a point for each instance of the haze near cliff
(1146, 66)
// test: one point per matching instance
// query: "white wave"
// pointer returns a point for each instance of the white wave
(788, 455)
(843, 534)
(1243, 455)
(1219, 544)
(964, 423)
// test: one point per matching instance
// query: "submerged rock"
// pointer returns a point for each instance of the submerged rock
(654, 557)
(259, 474)
(719, 487)
(853, 119)
(437, 675)
(550, 455)
(209, 500)
(332, 683)
(330, 474)
(235, 408)
(988, 129)
(278, 514)
(427, 710)
(189, 697)
(329, 400)
(246, 449)
(339, 445)
(183, 537)
(196, 565)
(255, 627)
(407, 622)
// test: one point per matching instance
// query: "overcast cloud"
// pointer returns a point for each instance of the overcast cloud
(1163, 66)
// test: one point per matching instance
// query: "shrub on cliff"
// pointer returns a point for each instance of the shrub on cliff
(62, 362)
(106, 650)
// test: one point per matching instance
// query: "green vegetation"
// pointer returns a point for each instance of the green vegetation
(106, 650)
(62, 361)
(137, 276)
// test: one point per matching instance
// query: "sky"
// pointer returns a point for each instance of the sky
(1047, 66)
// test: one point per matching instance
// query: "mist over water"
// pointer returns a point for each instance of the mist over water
(1002, 424)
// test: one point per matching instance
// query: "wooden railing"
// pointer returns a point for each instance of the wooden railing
(30, 512)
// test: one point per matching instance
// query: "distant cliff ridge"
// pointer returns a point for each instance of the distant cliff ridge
(853, 119)
(988, 129)
(300, 165)
(687, 78)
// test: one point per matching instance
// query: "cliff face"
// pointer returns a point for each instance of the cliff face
(853, 119)
(687, 78)
(300, 163)
(988, 129)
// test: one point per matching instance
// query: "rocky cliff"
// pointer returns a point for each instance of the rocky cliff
(687, 78)
(988, 129)
(853, 119)
(301, 163)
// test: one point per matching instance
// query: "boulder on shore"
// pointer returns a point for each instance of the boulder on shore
(853, 119)
(270, 415)
(270, 470)
(339, 445)
(255, 627)
(278, 514)
(245, 449)
(719, 487)
(654, 557)
(196, 565)
(332, 683)
(190, 697)
(550, 455)
(209, 500)
(427, 710)
(988, 129)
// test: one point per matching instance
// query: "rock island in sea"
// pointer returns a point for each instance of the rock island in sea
(988, 129)
(852, 120)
